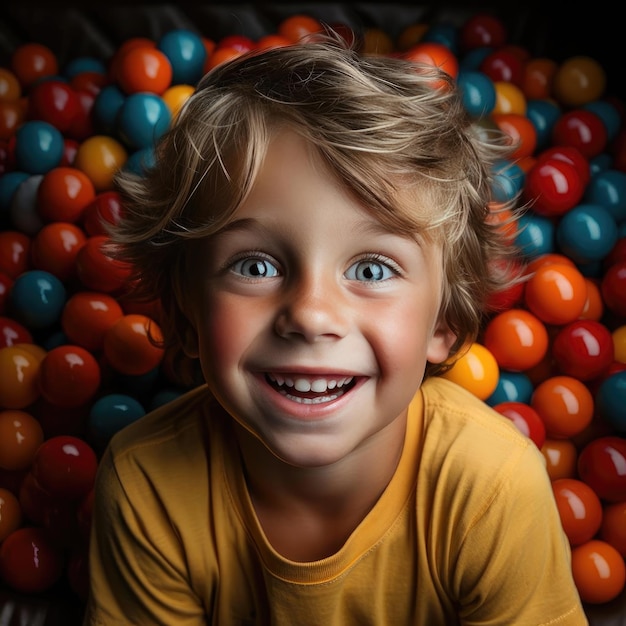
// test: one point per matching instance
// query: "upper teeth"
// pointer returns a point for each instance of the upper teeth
(318, 385)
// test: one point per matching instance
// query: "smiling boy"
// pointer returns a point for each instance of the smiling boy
(316, 227)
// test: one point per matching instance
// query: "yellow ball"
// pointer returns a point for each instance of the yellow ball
(476, 370)
(100, 157)
(176, 96)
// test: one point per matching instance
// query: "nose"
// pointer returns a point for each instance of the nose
(313, 310)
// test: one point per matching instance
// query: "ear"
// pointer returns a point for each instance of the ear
(440, 343)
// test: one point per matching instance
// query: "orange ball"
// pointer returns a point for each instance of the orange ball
(561, 456)
(131, 345)
(100, 157)
(556, 293)
(55, 247)
(565, 404)
(435, 54)
(579, 80)
(579, 507)
(522, 132)
(18, 377)
(509, 98)
(594, 304)
(538, 77)
(10, 88)
(63, 194)
(175, 96)
(10, 513)
(476, 370)
(12, 115)
(599, 571)
(20, 436)
(619, 343)
(33, 61)
(144, 69)
(376, 41)
(221, 55)
(517, 338)
(613, 528)
(297, 27)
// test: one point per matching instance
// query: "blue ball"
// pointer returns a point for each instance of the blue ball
(608, 188)
(477, 91)
(508, 180)
(82, 64)
(611, 400)
(142, 119)
(511, 387)
(535, 235)
(37, 299)
(600, 163)
(9, 182)
(106, 108)
(609, 115)
(140, 160)
(109, 414)
(444, 33)
(586, 233)
(186, 53)
(39, 147)
(543, 114)
(473, 59)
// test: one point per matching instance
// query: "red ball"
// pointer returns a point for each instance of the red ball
(69, 376)
(63, 194)
(14, 253)
(98, 271)
(54, 249)
(601, 465)
(579, 507)
(29, 561)
(55, 102)
(105, 208)
(13, 333)
(581, 129)
(613, 288)
(482, 30)
(583, 349)
(503, 65)
(525, 418)
(65, 467)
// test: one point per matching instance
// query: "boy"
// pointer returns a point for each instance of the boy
(316, 229)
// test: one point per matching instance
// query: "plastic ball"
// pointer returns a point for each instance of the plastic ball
(63, 194)
(578, 80)
(30, 562)
(10, 513)
(186, 54)
(31, 62)
(537, 78)
(434, 54)
(583, 349)
(520, 130)
(9, 182)
(581, 129)
(54, 249)
(508, 180)
(37, 299)
(482, 30)
(131, 344)
(5, 288)
(504, 65)
(69, 376)
(535, 235)
(298, 26)
(12, 116)
(21, 435)
(109, 414)
(10, 88)
(55, 102)
(476, 370)
(608, 113)
(561, 456)
(608, 189)
(143, 119)
(586, 233)
(477, 92)
(24, 211)
(619, 343)
(517, 338)
(564, 404)
(613, 527)
(14, 253)
(65, 467)
(525, 419)
(556, 293)
(105, 209)
(98, 271)
(509, 98)
(176, 96)
(594, 306)
(106, 107)
(611, 400)
(599, 571)
(511, 387)
(613, 288)
(601, 464)
(87, 316)
(543, 114)
(38, 147)
(144, 69)
(100, 157)
(13, 333)
(580, 509)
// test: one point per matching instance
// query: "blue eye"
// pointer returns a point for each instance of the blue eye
(369, 271)
(254, 267)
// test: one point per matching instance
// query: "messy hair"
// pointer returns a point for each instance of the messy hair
(382, 124)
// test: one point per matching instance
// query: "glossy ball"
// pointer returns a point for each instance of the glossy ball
(63, 194)
(581, 129)
(69, 376)
(619, 343)
(10, 88)
(537, 78)
(477, 92)
(517, 338)
(476, 370)
(143, 119)
(100, 157)
(96, 270)
(561, 457)
(608, 189)
(299, 26)
(535, 235)
(21, 435)
(37, 299)
(594, 305)
(613, 288)
(14, 253)
(580, 509)
(525, 419)
(176, 96)
(613, 528)
(65, 467)
(587, 233)
(54, 249)
(599, 571)
(511, 387)
(106, 107)
(186, 54)
(601, 465)
(543, 114)
(10, 513)
(583, 349)
(39, 147)
(435, 54)
(29, 561)
(611, 400)
(482, 30)
(578, 80)
(556, 293)
(564, 404)
(521, 131)
(32, 61)
(13, 333)
(129, 345)
(503, 65)
(105, 209)
(109, 414)
(55, 102)
(24, 212)
(144, 70)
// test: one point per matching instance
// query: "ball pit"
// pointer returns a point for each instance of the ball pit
(76, 364)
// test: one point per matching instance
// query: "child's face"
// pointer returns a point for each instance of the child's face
(305, 287)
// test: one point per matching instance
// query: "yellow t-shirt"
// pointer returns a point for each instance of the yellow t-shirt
(467, 531)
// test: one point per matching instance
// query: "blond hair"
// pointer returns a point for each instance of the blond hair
(382, 125)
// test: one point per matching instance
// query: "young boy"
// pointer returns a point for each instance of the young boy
(316, 229)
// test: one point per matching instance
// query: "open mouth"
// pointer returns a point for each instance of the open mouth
(310, 390)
